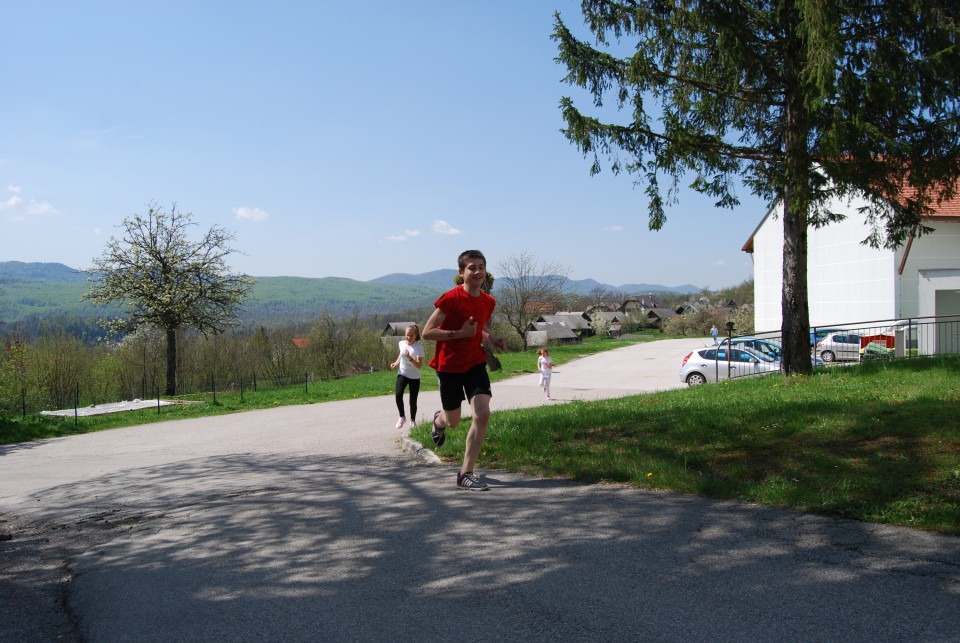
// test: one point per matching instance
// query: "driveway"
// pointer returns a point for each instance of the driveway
(311, 523)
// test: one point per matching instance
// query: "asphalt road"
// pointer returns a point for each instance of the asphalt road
(314, 523)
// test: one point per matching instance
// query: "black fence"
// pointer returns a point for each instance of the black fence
(77, 396)
(831, 345)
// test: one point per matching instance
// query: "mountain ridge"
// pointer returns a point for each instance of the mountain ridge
(437, 279)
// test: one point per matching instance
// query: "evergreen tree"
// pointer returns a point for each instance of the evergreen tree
(804, 100)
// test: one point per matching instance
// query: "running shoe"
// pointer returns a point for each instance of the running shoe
(471, 482)
(400, 422)
(439, 434)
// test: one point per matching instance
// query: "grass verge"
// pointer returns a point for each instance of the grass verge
(879, 442)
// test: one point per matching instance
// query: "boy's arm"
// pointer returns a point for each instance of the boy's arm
(496, 341)
(434, 333)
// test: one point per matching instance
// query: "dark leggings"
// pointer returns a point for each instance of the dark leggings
(402, 382)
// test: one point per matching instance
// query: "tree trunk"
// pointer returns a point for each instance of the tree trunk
(794, 307)
(171, 362)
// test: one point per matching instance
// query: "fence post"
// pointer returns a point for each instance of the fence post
(76, 405)
(305, 381)
(241, 389)
(254, 381)
(213, 387)
(23, 401)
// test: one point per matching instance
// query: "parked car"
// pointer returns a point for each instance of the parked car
(756, 345)
(876, 350)
(839, 347)
(816, 334)
(710, 364)
(765, 347)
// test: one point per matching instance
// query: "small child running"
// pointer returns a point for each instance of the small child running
(545, 366)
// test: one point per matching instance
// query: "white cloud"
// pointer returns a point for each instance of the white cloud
(12, 202)
(38, 208)
(719, 263)
(250, 214)
(19, 210)
(442, 227)
(407, 234)
(613, 228)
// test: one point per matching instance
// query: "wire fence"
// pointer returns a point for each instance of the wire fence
(831, 345)
(85, 398)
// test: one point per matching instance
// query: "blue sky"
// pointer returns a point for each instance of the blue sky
(334, 139)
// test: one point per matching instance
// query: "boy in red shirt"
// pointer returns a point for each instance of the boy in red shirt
(458, 326)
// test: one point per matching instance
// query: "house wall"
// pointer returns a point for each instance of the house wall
(846, 281)
(768, 272)
(937, 251)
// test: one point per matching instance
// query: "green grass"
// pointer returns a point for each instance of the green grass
(879, 442)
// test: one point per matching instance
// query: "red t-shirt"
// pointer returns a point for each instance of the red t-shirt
(460, 355)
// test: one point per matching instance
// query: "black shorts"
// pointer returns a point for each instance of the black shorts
(457, 387)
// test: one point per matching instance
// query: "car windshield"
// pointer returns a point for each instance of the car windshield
(768, 351)
(762, 355)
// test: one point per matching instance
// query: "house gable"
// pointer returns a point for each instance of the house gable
(848, 281)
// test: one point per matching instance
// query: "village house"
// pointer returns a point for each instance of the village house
(849, 282)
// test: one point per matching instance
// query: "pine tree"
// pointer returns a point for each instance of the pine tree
(804, 101)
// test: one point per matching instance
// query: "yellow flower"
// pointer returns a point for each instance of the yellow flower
(650, 475)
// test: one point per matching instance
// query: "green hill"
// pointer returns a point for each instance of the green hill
(30, 292)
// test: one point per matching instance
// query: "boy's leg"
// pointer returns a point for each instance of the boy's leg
(480, 405)
(449, 419)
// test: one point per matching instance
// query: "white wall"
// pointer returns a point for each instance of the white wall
(937, 251)
(846, 281)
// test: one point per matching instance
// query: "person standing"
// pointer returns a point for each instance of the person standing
(714, 333)
(545, 366)
(408, 365)
(458, 325)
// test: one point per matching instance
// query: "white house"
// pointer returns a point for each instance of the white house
(849, 282)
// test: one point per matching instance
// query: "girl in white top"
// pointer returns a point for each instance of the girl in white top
(545, 366)
(408, 365)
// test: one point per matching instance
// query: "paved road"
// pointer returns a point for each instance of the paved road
(311, 523)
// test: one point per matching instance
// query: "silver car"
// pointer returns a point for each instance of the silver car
(756, 345)
(840, 346)
(710, 364)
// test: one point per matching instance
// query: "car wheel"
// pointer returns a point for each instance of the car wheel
(696, 379)
(827, 356)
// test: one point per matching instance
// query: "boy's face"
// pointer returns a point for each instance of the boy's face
(474, 273)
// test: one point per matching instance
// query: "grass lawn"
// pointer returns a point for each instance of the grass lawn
(879, 442)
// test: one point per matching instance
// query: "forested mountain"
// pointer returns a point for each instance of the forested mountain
(32, 294)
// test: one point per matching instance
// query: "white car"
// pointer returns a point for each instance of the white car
(711, 364)
(837, 347)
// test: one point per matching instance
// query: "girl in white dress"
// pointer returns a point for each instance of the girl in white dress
(545, 366)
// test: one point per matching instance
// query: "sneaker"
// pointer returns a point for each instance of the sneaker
(471, 482)
(439, 434)
(401, 422)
